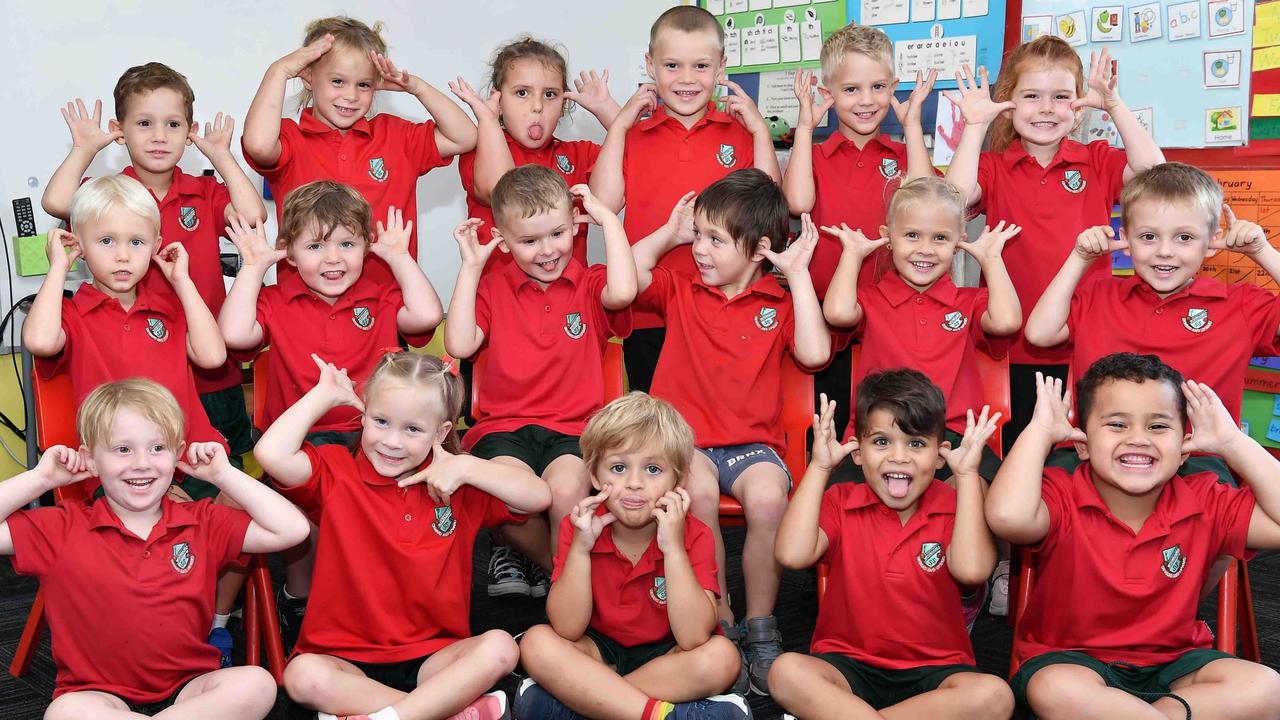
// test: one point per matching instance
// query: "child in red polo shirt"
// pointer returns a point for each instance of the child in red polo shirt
(1140, 539)
(1037, 177)
(328, 306)
(387, 631)
(1203, 327)
(515, 125)
(902, 547)
(684, 145)
(154, 106)
(128, 581)
(540, 324)
(730, 329)
(633, 607)
(342, 64)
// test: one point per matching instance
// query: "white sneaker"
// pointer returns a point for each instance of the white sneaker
(1000, 590)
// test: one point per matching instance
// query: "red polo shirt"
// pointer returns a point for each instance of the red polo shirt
(381, 157)
(128, 616)
(353, 333)
(937, 332)
(853, 186)
(1143, 587)
(106, 343)
(1207, 332)
(194, 213)
(891, 601)
(1053, 205)
(573, 159)
(629, 602)
(663, 161)
(721, 364)
(543, 350)
(392, 579)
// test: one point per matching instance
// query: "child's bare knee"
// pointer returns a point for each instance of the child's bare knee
(719, 661)
(307, 679)
(990, 696)
(501, 650)
(1259, 690)
(785, 674)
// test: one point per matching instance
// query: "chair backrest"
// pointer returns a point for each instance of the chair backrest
(56, 425)
(796, 417)
(260, 364)
(614, 380)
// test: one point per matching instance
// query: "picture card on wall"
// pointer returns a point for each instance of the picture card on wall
(1184, 20)
(1222, 68)
(1145, 22)
(1226, 17)
(1033, 26)
(1223, 125)
(1072, 28)
(1105, 23)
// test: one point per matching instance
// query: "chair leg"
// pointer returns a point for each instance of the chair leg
(823, 571)
(252, 623)
(260, 578)
(1228, 600)
(30, 637)
(1249, 649)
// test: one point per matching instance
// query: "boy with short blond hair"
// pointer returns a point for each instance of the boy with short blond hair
(685, 144)
(633, 607)
(540, 325)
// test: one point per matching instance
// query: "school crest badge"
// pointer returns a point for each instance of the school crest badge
(889, 168)
(574, 326)
(378, 169)
(444, 524)
(767, 319)
(157, 330)
(563, 164)
(183, 559)
(726, 156)
(930, 557)
(361, 316)
(659, 590)
(1073, 181)
(1197, 320)
(954, 321)
(1174, 561)
(187, 216)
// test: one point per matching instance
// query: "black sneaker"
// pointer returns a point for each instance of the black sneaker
(539, 582)
(506, 573)
(290, 611)
(220, 638)
(742, 685)
(718, 707)
(764, 645)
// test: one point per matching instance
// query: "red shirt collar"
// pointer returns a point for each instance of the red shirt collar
(361, 290)
(605, 546)
(660, 116)
(931, 502)
(309, 123)
(543, 154)
(1200, 287)
(573, 273)
(1176, 502)
(172, 515)
(767, 286)
(181, 184)
(897, 291)
(1069, 151)
(371, 477)
(89, 298)
(838, 141)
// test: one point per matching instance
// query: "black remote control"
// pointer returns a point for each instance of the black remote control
(24, 216)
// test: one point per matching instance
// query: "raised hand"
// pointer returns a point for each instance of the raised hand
(391, 77)
(1104, 78)
(62, 248)
(1098, 241)
(810, 115)
(596, 210)
(446, 473)
(853, 241)
(669, 511)
(828, 451)
(909, 112)
(645, 100)
(251, 241)
(591, 91)
(217, 136)
(61, 466)
(1052, 412)
(1212, 427)
(335, 384)
(473, 253)
(742, 108)
(680, 222)
(990, 244)
(587, 525)
(173, 261)
(393, 239)
(967, 457)
(205, 461)
(974, 98)
(483, 109)
(1243, 236)
(295, 62)
(86, 129)
(795, 259)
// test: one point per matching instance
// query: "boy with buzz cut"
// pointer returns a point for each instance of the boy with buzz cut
(128, 581)
(155, 122)
(902, 548)
(1142, 538)
(633, 608)
(540, 325)
(729, 331)
(1203, 327)
(685, 144)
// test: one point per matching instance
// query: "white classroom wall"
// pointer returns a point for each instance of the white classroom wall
(58, 51)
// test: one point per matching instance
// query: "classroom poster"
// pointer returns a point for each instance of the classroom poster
(942, 35)
(768, 35)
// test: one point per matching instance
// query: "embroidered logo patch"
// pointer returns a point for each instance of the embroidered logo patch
(954, 321)
(930, 557)
(187, 216)
(574, 326)
(1197, 320)
(659, 590)
(889, 167)
(378, 169)
(1073, 181)
(563, 164)
(726, 156)
(183, 559)
(362, 317)
(1174, 561)
(444, 524)
(157, 330)
(767, 319)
